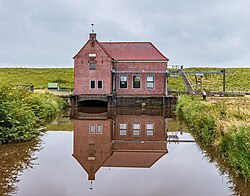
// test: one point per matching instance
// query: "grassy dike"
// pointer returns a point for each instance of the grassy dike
(22, 113)
(223, 125)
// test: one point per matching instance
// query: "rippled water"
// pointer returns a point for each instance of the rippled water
(107, 155)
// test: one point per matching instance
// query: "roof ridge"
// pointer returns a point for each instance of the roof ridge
(123, 42)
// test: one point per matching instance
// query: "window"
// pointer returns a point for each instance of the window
(123, 82)
(150, 82)
(136, 81)
(149, 129)
(92, 129)
(99, 129)
(99, 84)
(92, 66)
(123, 129)
(92, 61)
(92, 84)
(136, 129)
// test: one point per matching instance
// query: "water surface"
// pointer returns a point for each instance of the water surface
(102, 157)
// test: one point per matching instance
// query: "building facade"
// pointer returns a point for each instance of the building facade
(119, 69)
(122, 138)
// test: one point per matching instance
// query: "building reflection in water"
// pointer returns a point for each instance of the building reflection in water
(119, 137)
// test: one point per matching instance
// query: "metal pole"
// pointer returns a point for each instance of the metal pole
(166, 90)
(224, 80)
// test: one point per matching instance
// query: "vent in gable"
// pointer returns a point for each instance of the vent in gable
(92, 55)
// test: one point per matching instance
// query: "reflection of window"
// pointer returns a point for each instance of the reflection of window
(92, 84)
(92, 66)
(123, 82)
(92, 129)
(123, 129)
(150, 82)
(136, 81)
(136, 129)
(99, 84)
(150, 129)
(99, 129)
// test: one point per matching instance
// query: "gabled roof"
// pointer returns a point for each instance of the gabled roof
(87, 43)
(133, 159)
(137, 51)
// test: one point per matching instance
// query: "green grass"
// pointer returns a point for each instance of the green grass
(238, 81)
(223, 125)
(37, 77)
(176, 84)
(40, 77)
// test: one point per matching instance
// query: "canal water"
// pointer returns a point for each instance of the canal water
(122, 151)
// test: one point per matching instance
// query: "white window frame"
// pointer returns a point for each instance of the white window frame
(133, 81)
(90, 131)
(133, 129)
(123, 129)
(99, 125)
(150, 82)
(90, 84)
(97, 84)
(149, 123)
(120, 81)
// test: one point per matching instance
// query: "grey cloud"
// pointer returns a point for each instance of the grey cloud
(193, 33)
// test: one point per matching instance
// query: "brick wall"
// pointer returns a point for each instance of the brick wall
(91, 145)
(83, 75)
(158, 132)
(159, 79)
(102, 72)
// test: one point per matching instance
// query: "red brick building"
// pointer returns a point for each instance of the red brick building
(128, 138)
(118, 69)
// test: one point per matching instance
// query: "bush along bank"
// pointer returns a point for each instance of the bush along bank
(23, 112)
(223, 125)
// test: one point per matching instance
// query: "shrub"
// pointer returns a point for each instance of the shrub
(22, 112)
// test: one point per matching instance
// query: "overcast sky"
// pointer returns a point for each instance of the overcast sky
(190, 32)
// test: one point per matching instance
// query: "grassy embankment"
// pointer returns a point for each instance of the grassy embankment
(23, 112)
(238, 81)
(39, 77)
(223, 124)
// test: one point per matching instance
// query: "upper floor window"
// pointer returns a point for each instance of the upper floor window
(92, 61)
(150, 129)
(99, 84)
(92, 84)
(92, 66)
(99, 129)
(136, 129)
(123, 129)
(150, 82)
(123, 82)
(92, 129)
(136, 81)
